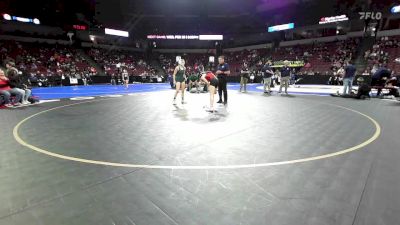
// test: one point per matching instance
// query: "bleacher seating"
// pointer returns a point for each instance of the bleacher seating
(320, 58)
(385, 50)
(35, 58)
(110, 60)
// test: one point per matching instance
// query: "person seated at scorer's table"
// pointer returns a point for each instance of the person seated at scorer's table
(392, 85)
(285, 76)
(244, 77)
(334, 79)
(222, 73)
(379, 78)
(267, 73)
(42, 81)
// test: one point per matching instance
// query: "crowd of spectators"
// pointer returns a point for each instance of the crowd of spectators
(115, 61)
(193, 61)
(245, 57)
(318, 58)
(41, 62)
(38, 62)
(383, 52)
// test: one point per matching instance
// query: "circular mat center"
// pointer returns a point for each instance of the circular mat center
(148, 131)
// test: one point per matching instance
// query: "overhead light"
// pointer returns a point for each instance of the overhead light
(120, 33)
(92, 37)
(281, 27)
(211, 37)
(7, 16)
(187, 37)
(333, 19)
(22, 19)
(395, 9)
(79, 27)
(211, 59)
(36, 21)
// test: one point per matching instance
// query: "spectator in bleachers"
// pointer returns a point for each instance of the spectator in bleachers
(333, 80)
(43, 59)
(366, 72)
(32, 79)
(42, 81)
(132, 61)
(383, 51)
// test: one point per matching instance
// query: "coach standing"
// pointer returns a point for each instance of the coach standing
(285, 76)
(267, 75)
(222, 73)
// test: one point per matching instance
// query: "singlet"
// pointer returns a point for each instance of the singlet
(180, 74)
(194, 77)
(209, 76)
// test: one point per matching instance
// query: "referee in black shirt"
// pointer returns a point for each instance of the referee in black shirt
(222, 72)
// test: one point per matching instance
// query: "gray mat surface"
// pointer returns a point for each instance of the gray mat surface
(360, 187)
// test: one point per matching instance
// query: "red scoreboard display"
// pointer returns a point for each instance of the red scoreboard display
(79, 27)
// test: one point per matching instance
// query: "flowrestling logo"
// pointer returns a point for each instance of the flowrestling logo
(370, 15)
